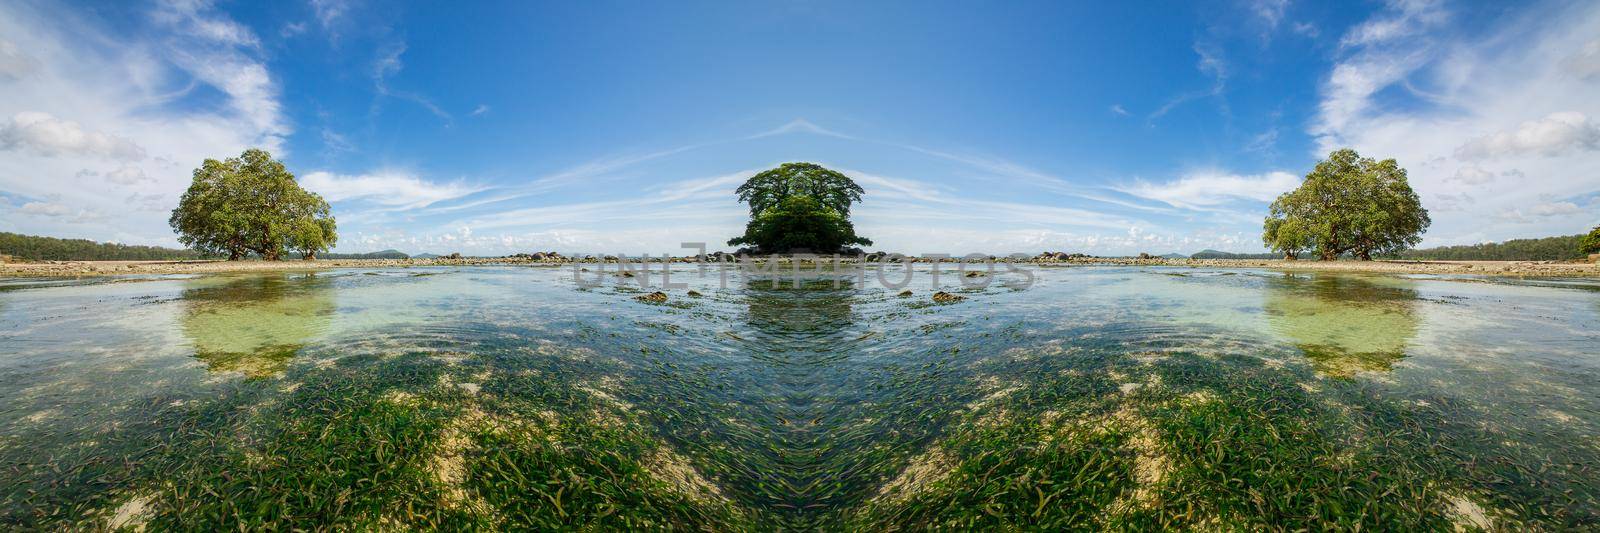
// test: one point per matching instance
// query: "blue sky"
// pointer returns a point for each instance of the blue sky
(624, 127)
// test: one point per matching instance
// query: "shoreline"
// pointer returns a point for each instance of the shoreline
(74, 269)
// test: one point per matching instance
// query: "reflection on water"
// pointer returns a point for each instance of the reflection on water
(256, 324)
(1344, 324)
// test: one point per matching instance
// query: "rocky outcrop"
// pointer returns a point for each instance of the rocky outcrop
(657, 297)
(540, 257)
(947, 298)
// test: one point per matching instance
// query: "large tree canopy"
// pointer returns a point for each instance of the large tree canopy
(830, 188)
(251, 204)
(1347, 204)
(799, 206)
(799, 223)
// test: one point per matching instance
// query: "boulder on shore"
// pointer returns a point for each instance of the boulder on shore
(654, 297)
(945, 297)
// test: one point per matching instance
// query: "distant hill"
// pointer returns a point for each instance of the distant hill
(33, 248)
(1563, 248)
(386, 254)
(425, 256)
(1216, 254)
(1174, 256)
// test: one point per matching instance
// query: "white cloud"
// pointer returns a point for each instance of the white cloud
(329, 11)
(127, 175)
(481, 109)
(1543, 210)
(46, 209)
(1208, 190)
(1269, 11)
(47, 135)
(389, 189)
(1555, 134)
(1117, 108)
(95, 94)
(1473, 175)
(1405, 18)
(1507, 94)
(64, 213)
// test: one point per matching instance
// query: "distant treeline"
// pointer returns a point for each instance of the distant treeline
(31, 248)
(1213, 254)
(1564, 248)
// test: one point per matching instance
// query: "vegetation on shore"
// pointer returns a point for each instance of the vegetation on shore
(1562, 248)
(251, 204)
(34, 248)
(1348, 204)
(799, 207)
(1590, 244)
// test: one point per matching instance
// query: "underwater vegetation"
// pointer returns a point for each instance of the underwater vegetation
(1101, 398)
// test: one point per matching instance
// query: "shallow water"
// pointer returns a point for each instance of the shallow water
(515, 397)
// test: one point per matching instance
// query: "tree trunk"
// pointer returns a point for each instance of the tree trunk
(233, 255)
(1329, 255)
(1290, 256)
(311, 255)
(1364, 255)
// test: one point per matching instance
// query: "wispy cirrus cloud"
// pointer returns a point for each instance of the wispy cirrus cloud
(92, 116)
(1209, 190)
(385, 189)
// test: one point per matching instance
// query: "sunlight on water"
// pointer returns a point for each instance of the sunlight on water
(494, 396)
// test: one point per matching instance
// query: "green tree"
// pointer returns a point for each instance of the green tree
(799, 206)
(830, 188)
(1590, 244)
(799, 223)
(250, 204)
(1348, 204)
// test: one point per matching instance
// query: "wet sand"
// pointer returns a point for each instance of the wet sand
(104, 268)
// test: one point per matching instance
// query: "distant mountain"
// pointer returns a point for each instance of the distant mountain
(425, 256)
(1174, 256)
(1217, 254)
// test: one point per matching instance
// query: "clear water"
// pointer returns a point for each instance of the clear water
(800, 407)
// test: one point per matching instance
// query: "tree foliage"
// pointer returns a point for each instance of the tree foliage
(251, 204)
(830, 188)
(31, 248)
(799, 223)
(1590, 244)
(1348, 204)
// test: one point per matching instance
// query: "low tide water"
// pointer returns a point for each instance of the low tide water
(507, 397)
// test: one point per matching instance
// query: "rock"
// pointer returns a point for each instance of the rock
(976, 274)
(945, 297)
(694, 293)
(654, 297)
(453, 255)
(1145, 257)
(905, 293)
